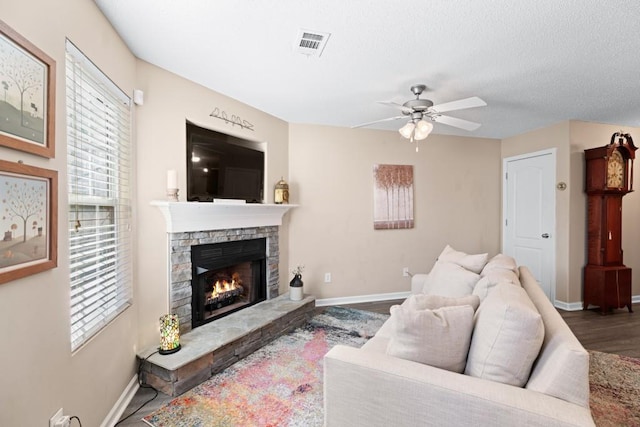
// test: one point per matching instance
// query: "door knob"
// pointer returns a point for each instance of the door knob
(545, 236)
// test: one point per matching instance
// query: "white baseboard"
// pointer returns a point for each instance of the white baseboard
(361, 298)
(575, 306)
(121, 405)
(568, 306)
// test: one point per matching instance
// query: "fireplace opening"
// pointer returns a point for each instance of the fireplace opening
(227, 277)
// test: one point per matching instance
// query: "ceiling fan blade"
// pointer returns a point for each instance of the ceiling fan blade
(460, 104)
(456, 122)
(378, 121)
(396, 105)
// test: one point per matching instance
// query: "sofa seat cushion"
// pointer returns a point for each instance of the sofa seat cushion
(438, 338)
(449, 279)
(507, 336)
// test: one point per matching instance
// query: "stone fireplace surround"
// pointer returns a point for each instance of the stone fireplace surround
(194, 223)
(216, 345)
(181, 268)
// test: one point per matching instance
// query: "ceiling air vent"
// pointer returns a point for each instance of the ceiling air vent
(311, 43)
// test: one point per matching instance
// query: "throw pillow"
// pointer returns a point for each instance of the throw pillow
(438, 338)
(473, 263)
(507, 337)
(432, 302)
(501, 262)
(450, 280)
(491, 279)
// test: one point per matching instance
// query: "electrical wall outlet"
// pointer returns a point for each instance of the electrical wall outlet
(327, 277)
(56, 418)
(405, 272)
(63, 421)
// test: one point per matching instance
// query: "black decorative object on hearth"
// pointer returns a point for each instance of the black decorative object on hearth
(295, 285)
(296, 282)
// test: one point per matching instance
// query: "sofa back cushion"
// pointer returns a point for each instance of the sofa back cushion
(562, 368)
(438, 338)
(424, 302)
(507, 336)
(449, 279)
(489, 281)
(471, 262)
(500, 262)
(432, 302)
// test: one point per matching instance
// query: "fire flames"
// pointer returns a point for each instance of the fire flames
(224, 289)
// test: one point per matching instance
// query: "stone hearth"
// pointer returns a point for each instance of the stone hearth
(215, 346)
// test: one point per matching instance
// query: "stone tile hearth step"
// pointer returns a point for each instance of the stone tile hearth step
(214, 346)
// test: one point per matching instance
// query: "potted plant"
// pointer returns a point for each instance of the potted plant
(295, 286)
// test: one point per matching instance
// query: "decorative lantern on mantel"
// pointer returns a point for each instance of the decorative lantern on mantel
(169, 334)
(281, 194)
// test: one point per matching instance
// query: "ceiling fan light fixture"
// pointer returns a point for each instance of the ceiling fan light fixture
(419, 136)
(407, 130)
(423, 129)
(424, 126)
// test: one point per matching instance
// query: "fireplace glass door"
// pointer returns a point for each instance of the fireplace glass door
(226, 277)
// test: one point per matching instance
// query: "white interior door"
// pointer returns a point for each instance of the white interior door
(529, 214)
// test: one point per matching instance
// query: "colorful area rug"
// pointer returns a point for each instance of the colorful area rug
(615, 389)
(281, 384)
(278, 385)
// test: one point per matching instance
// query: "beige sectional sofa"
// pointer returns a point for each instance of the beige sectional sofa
(369, 387)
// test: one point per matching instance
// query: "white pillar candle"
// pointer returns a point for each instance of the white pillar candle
(172, 179)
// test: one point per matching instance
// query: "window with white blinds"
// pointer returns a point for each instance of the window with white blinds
(99, 188)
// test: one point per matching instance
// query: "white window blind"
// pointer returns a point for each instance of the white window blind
(99, 188)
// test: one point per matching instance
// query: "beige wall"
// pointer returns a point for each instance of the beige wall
(570, 139)
(169, 101)
(456, 200)
(39, 373)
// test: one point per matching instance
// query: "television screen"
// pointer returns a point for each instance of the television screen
(221, 166)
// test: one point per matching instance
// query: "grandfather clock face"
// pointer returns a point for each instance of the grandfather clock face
(615, 170)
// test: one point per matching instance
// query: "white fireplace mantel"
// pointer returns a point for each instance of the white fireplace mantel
(199, 216)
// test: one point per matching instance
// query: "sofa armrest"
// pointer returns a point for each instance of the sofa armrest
(363, 388)
(417, 282)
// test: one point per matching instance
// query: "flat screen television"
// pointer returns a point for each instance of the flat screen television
(221, 166)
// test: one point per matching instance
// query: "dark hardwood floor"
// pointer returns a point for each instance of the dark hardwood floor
(617, 332)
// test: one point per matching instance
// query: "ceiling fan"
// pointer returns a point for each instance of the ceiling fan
(421, 112)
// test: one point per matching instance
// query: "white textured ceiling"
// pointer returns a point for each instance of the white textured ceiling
(535, 62)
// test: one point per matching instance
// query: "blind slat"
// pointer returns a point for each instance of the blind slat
(98, 176)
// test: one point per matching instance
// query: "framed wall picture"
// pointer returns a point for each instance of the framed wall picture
(27, 95)
(28, 220)
(392, 197)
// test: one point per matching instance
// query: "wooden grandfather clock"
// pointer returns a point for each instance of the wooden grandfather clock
(609, 176)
